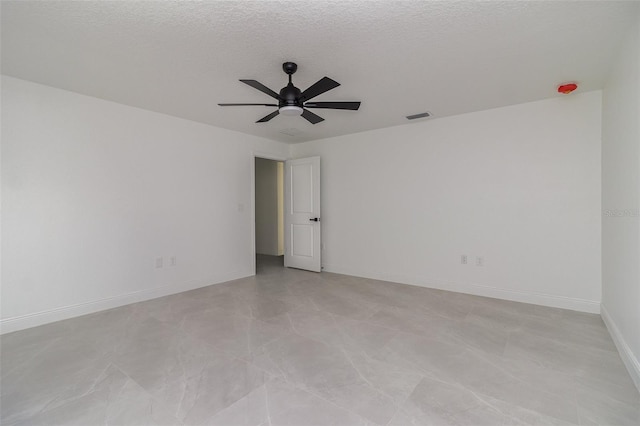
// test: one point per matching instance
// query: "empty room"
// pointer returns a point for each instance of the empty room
(266, 213)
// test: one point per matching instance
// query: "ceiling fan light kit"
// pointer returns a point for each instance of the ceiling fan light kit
(291, 110)
(292, 101)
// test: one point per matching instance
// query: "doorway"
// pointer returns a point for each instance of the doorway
(269, 213)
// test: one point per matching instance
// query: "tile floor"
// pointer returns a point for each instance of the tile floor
(289, 347)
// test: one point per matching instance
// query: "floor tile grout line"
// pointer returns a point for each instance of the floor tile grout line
(499, 367)
(371, 385)
(266, 402)
(46, 408)
(310, 391)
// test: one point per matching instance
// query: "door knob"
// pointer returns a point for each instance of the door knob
(315, 219)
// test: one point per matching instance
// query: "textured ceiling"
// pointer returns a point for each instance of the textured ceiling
(398, 58)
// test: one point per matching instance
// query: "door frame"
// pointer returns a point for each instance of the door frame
(266, 156)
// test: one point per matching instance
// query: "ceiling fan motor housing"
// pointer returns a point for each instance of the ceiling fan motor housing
(290, 96)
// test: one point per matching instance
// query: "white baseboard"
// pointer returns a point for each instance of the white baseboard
(535, 298)
(628, 357)
(21, 322)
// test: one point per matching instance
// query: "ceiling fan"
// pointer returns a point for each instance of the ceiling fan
(292, 101)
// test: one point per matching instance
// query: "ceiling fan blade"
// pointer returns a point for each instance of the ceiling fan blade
(334, 105)
(261, 87)
(271, 105)
(268, 117)
(319, 87)
(311, 117)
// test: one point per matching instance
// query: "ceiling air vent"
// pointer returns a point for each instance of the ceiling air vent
(290, 132)
(421, 115)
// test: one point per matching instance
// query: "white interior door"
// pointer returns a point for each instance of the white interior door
(302, 214)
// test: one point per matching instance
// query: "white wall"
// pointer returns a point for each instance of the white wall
(266, 207)
(621, 202)
(93, 192)
(519, 186)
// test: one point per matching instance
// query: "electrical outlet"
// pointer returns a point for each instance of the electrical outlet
(158, 262)
(479, 261)
(463, 259)
(173, 261)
